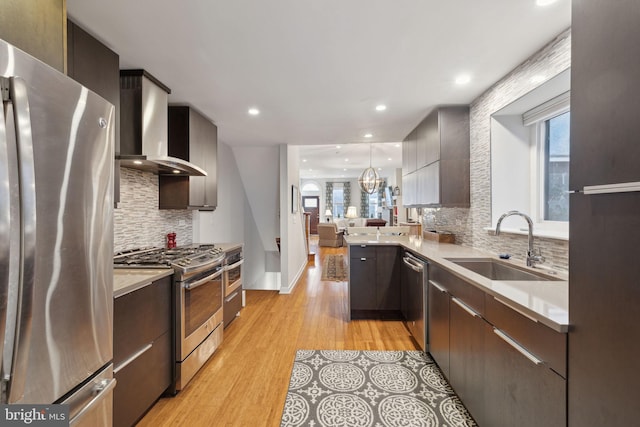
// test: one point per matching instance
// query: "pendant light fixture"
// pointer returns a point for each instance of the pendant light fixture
(368, 180)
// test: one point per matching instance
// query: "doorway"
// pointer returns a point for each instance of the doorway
(311, 205)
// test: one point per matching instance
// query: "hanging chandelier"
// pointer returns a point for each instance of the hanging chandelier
(369, 180)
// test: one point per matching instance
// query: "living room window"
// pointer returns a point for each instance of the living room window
(338, 200)
(374, 202)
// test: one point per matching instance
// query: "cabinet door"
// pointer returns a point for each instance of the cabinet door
(522, 392)
(197, 138)
(388, 277)
(211, 161)
(428, 140)
(409, 186)
(438, 324)
(362, 284)
(409, 146)
(466, 358)
(428, 185)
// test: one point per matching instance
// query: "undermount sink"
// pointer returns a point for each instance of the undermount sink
(494, 269)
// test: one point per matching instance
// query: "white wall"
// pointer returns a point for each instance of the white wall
(294, 251)
(259, 170)
(233, 220)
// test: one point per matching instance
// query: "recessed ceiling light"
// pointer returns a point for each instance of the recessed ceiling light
(381, 107)
(254, 111)
(389, 158)
(345, 169)
(346, 160)
(463, 79)
(397, 145)
(176, 171)
(545, 2)
(539, 78)
(137, 162)
(304, 160)
(368, 135)
(379, 169)
(338, 147)
(310, 170)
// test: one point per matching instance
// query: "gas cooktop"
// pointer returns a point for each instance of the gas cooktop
(179, 258)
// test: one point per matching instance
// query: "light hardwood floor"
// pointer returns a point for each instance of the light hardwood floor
(245, 382)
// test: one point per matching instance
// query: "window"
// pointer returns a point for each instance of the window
(549, 123)
(530, 160)
(338, 200)
(556, 168)
(373, 205)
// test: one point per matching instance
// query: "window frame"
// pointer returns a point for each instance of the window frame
(538, 130)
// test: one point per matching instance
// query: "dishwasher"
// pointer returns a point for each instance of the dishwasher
(414, 297)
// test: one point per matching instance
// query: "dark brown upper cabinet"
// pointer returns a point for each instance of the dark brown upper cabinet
(194, 138)
(439, 149)
(95, 66)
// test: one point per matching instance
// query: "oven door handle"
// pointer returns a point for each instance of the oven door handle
(189, 286)
(234, 265)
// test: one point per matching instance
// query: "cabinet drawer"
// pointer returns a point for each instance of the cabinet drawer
(140, 317)
(232, 306)
(544, 342)
(362, 251)
(141, 382)
(469, 294)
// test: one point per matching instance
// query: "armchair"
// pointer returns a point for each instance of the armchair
(329, 235)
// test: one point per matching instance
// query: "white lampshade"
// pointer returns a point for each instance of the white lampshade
(351, 212)
(328, 213)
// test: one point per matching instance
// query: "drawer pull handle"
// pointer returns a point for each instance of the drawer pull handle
(132, 358)
(230, 297)
(520, 349)
(363, 259)
(438, 287)
(363, 246)
(465, 307)
(506, 304)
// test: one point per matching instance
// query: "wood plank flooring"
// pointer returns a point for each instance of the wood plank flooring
(245, 383)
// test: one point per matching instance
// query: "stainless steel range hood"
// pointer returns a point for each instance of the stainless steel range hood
(144, 126)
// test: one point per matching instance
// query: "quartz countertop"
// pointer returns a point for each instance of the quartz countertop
(544, 301)
(126, 280)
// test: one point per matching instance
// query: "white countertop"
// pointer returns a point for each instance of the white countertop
(545, 301)
(126, 280)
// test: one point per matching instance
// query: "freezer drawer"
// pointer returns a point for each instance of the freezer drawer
(92, 404)
(232, 306)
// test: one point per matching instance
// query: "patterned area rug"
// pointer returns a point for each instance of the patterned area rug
(334, 268)
(353, 388)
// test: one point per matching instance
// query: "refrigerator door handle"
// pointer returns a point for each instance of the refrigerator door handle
(5, 219)
(101, 391)
(26, 172)
(623, 187)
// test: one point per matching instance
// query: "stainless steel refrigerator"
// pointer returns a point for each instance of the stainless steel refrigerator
(56, 240)
(604, 254)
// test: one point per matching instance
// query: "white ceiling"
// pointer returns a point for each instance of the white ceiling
(317, 69)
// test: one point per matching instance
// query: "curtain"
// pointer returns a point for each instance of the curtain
(347, 195)
(328, 200)
(364, 204)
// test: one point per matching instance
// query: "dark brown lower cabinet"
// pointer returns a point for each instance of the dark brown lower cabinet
(520, 391)
(438, 326)
(143, 350)
(374, 281)
(467, 357)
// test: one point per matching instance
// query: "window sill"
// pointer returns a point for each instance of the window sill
(547, 234)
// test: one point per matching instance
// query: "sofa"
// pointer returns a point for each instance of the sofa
(328, 235)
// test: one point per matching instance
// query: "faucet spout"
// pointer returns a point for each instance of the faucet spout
(532, 258)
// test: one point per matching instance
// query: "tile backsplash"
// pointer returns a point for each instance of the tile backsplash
(138, 222)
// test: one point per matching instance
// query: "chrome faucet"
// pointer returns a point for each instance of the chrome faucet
(532, 257)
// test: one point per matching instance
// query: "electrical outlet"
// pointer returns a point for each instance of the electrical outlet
(181, 222)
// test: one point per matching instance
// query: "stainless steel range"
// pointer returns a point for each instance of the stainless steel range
(198, 300)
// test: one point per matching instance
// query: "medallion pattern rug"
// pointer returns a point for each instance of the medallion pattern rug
(360, 388)
(334, 268)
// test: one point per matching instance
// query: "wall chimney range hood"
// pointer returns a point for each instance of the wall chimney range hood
(144, 127)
